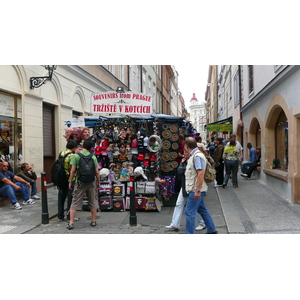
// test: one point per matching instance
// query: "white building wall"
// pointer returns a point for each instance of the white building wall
(148, 82)
(262, 75)
(71, 89)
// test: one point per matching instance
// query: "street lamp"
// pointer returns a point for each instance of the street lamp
(120, 89)
(36, 82)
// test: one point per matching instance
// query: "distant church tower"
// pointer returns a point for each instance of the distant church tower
(198, 116)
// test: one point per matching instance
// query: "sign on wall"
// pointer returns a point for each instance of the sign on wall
(121, 103)
(218, 127)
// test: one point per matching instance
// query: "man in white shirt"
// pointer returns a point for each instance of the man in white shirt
(201, 146)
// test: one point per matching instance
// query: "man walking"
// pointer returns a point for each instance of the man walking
(8, 187)
(81, 187)
(197, 188)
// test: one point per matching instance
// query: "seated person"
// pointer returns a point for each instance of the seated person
(251, 159)
(29, 175)
(254, 165)
(8, 187)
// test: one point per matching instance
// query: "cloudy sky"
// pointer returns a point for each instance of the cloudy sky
(192, 79)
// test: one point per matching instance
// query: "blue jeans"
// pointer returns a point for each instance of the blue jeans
(33, 188)
(9, 191)
(192, 207)
(245, 164)
(231, 166)
(62, 195)
(177, 214)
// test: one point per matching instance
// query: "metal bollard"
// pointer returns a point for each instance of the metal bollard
(45, 214)
(132, 217)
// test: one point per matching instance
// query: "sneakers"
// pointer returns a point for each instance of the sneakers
(245, 175)
(224, 185)
(217, 185)
(200, 227)
(28, 202)
(17, 206)
(35, 197)
(172, 228)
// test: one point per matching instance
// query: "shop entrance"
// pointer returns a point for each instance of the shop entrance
(48, 138)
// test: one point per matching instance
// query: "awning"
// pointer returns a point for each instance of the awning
(91, 121)
(221, 125)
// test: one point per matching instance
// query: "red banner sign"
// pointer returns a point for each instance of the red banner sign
(121, 103)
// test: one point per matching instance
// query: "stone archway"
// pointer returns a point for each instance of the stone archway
(255, 133)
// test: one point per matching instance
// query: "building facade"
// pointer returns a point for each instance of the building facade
(33, 121)
(264, 104)
(198, 116)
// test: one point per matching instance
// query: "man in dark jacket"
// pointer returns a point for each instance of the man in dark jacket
(219, 162)
(28, 174)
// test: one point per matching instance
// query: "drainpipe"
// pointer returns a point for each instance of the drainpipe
(128, 78)
(162, 91)
(241, 115)
(141, 79)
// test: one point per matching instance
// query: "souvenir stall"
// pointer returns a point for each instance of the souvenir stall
(144, 145)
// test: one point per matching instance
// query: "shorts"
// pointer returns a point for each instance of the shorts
(80, 190)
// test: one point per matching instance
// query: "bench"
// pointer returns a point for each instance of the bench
(5, 200)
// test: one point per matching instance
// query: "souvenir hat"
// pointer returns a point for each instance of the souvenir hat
(138, 171)
(104, 172)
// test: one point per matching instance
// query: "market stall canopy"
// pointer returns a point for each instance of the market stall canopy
(221, 125)
(91, 122)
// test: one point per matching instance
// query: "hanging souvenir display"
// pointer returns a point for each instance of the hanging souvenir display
(124, 145)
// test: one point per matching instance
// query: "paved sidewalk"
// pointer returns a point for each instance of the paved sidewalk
(251, 208)
(28, 220)
(255, 208)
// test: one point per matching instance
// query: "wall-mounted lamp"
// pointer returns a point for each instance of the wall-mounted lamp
(36, 82)
(120, 89)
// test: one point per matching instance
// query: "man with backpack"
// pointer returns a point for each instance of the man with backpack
(85, 166)
(63, 188)
(196, 187)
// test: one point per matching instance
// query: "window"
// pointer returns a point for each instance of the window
(111, 69)
(149, 84)
(236, 87)
(281, 142)
(144, 81)
(250, 76)
(11, 130)
(121, 73)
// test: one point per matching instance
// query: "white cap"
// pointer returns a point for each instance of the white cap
(139, 171)
(104, 172)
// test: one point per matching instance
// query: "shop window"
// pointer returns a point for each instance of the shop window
(11, 130)
(281, 142)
